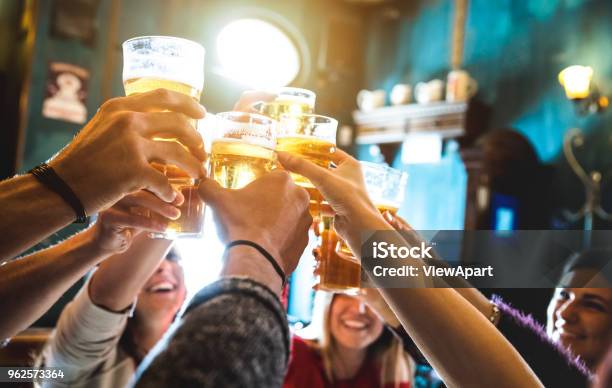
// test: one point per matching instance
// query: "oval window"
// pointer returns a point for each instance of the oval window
(257, 53)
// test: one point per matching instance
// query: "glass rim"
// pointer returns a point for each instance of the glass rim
(306, 92)
(331, 120)
(305, 95)
(382, 166)
(165, 37)
(231, 113)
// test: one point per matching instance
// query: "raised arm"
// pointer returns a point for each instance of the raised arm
(119, 279)
(106, 160)
(31, 284)
(452, 334)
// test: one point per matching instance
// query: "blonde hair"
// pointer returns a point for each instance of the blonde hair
(396, 365)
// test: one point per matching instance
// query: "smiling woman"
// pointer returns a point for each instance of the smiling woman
(580, 311)
(258, 54)
(347, 345)
(120, 313)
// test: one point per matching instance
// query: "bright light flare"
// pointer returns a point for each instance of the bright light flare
(257, 53)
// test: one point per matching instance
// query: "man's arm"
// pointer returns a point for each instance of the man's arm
(31, 285)
(109, 158)
(29, 212)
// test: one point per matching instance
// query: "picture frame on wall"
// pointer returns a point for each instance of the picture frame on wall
(75, 19)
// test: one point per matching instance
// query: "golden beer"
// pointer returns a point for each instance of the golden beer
(308, 147)
(146, 84)
(191, 220)
(279, 107)
(289, 101)
(192, 209)
(155, 62)
(391, 208)
(336, 272)
(339, 270)
(315, 150)
(234, 163)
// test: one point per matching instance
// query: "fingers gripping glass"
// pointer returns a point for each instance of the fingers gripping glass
(153, 62)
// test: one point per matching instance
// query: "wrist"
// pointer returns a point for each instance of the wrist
(86, 245)
(258, 238)
(78, 183)
(246, 261)
(54, 201)
(89, 241)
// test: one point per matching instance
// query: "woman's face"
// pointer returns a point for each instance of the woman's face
(581, 319)
(353, 324)
(163, 294)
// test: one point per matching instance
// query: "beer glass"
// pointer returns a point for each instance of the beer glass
(153, 62)
(336, 271)
(337, 268)
(386, 186)
(242, 149)
(288, 101)
(312, 137)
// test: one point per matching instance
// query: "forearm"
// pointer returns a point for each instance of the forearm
(234, 334)
(85, 339)
(29, 213)
(455, 337)
(119, 279)
(30, 285)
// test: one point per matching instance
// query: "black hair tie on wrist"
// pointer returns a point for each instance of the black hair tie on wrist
(264, 253)
(48, 177)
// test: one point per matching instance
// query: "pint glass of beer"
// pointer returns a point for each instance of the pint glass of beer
(338, 266)
(312, 137)
(242, 148)
(289, 101)
(336, 271)
(153, 62)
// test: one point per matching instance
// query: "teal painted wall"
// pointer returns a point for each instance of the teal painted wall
(44, 137)
(514, 49)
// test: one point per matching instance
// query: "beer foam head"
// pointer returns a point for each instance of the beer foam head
(311, 125)
(164, 57)
(246, 127)
(303, 96)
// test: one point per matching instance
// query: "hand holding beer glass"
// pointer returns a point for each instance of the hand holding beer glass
(312, 137)
(338, 269)
(154, 62)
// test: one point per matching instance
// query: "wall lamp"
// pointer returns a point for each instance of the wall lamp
(578, 88)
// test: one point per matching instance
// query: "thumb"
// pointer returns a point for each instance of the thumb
(210, 191)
